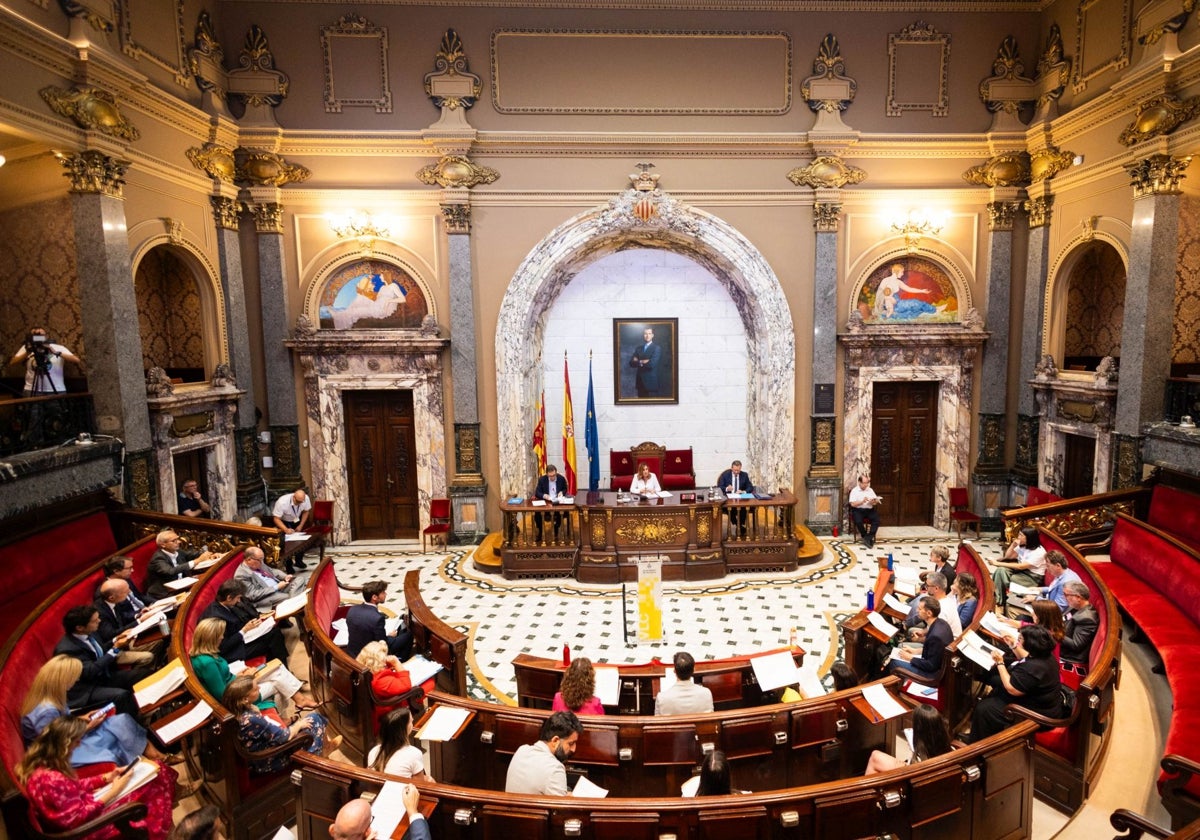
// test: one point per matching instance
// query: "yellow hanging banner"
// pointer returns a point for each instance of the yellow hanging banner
(650, 624)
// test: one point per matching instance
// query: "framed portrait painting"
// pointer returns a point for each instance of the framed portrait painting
(646, 361)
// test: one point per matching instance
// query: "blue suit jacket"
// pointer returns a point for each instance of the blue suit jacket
(543, 486)
(418, 830)
(744, 485)
(647, 375)
(365, 623)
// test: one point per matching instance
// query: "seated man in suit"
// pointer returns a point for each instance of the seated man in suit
(1082, 623)
(367, 624)
(241, 617)
(933, 648)
(170, 562)
(549, 488)
(100, 682)
(120, 567)
(265, 586)
(731, 482)
(684, 697)
(117, 615)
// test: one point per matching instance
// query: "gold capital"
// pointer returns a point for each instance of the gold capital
(1157, 175)
(226, 212)
(94, 172)
(268, 218)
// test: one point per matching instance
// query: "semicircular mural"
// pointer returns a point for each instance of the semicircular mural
(371, 294)
(906, 290)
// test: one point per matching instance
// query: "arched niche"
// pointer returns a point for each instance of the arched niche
(648, 219)
(1085, 302)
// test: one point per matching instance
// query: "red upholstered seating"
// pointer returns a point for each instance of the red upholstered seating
(672, 466)
(1177, 512)
(960, 513)
(439, 522)
(1038, 496)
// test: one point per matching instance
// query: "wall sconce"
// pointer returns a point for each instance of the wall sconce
(359, 225)
(916, 224)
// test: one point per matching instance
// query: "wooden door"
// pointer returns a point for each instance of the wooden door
(381, 446)
(1080, 466)
(903, 442)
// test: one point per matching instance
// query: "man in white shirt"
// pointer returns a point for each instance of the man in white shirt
(935, 585)
(684, 697)
(291, 514)
(863, 502)
(538, 768)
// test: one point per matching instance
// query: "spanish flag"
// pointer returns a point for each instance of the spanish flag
(539, 435)
(568, 429)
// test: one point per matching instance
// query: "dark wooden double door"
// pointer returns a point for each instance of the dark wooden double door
(381, 447)
(903, 446)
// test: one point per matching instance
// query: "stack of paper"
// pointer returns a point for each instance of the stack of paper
(992, 624)
(264, 627)
(977, 650)
(291, 606)
(159, 684)
(775, 670)
(185, 723)
(588, 789)
(810, 684)
(608, 684)
(881, 700)
(182, 583)
(1023, 591)
(907, 579)
(420, 669)
(895, 603)
(296, 537)
(144, 771)
(882, 625)
(443, 723)
(388, 809)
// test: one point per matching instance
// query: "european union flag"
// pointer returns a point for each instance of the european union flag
(591, 435)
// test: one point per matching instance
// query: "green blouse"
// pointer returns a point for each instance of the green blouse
(214, 674)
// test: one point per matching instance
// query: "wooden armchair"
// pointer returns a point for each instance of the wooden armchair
(1136, 826)
(17, 819)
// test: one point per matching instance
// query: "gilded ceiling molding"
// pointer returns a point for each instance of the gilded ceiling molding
(1053, 73)
(451, 85)
(92, 109)
(98, 14)
(135, 46)
(922, 36)
(1006, 91)
(826, 215)
(1096, 15)
(827, 171)
(1157, 20)
(358, 35)
(1040, 210)
(214, 160)
(456, 171)
(227, 212)
(206, 60)
(1157, 175)
(457, 217)
(256, 81)
(93, 172)
(1158, 117)
(1002, 215)
(268, 217)
(829, 91)
(1045, 163)
(1007, 169)
(263, 168)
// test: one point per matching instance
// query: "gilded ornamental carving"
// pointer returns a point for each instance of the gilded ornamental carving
(268, 217)
(1007, 169)
(1157, 174)
(1039, 209)
(451, 85)
(263, 168)
(1158, 117)
(826, 171)
(648, 530)
(226, 212)
(1006, 90)
(91, 109)
(91, 171)
(826, 215)
(256, 81)
(457, 217)
(1002, 214)
(1045, 163)
(1053, 73)
(215, 161)
(829, 90)
(456, 171)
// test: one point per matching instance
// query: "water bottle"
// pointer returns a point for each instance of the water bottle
(164, 626)
(566, 655)
(870, 602)
(890, 562)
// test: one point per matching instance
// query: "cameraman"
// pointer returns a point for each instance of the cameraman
(44, 363)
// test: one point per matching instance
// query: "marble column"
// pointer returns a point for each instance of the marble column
(112, 346)
(1149, 304)
(989, 479)
(1039, 206)
(468, 490)
(227, 215)
(281, 395)
(822, 482)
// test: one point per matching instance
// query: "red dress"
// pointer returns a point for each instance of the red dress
(388, 683)
(61, 802)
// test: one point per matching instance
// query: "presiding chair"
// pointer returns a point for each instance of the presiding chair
(439, 522)
(960, 512)
(322, 519)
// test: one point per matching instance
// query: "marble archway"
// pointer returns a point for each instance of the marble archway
(649, 219)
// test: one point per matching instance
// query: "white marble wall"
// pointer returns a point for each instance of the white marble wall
(713, 364)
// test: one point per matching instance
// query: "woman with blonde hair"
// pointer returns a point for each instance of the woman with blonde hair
(388, 677)
(274, 688)
(258, 731)
(577, 693)
(118, 739)
(62, 801)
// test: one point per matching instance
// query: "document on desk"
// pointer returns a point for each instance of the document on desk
(775, 670)
(992, 623)
(158, 685)
(882, 701)
(608, 684)
(444, 723)
(810, 684)
(589, 789)
(895, 603)
(182, 583)
(185, 723)
(388, 809)
(420, 669)
(169, 603)
(1021, 589)
(143, 625)
(299, 536)
(264, 627)
(204, 564)
(291, 606)
(977, 650)
(538, 503)
(882, 624)
(907, 579)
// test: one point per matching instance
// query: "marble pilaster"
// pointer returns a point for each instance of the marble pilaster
(822, 482)
(1039, 207)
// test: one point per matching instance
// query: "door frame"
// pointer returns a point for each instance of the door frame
(889, 515)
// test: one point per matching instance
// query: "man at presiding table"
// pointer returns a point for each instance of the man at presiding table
(538, 768)
(732, 482)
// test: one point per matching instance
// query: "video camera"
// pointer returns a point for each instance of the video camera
(37, 345)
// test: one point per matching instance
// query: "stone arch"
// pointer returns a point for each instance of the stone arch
(1055, 313)
(212, 323)
(648, 219)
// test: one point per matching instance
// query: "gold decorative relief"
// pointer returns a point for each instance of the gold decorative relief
(598, 532)
(169, 49)
(91, 109)
(457, 217)
(1157, 20)
(91, 171)
(1053, 72)
(829, 89)
(1045, 163)
(268, 218)
(214, 160)
(912, 53)
(206, 59)
(826, 215)
(1157, 175)
(1158, 117)
(826, 171)
(1002, 214)
(456, 171)
(1007, 169)
(703, 528)
(1039, 210)
(263, 168)
(647, 530)
(451, 85)
(1006, 89)
(354, 35)
(256, 81)
(226, 212)
(1094, 21)
(97, 13)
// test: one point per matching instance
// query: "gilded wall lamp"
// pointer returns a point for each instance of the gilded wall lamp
(915, 225)
(360, 225)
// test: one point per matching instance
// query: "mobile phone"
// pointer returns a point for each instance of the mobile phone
(102, 711)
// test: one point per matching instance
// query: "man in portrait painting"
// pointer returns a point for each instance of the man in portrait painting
(646, 358)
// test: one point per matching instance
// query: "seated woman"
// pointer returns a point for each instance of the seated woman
(577, 692)
(395, 754)
(713, 779)
(118, 739)
(645, 482)
(966, 590)
(843, 676)
(1045, 614)
(60, 800)
(1032, 682)
(213, 671)
(930, 738)
(388, 677)
(257, 731)
(1024, 563)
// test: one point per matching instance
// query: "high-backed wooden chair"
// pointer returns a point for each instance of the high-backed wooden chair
(961, 513)
(439, 522)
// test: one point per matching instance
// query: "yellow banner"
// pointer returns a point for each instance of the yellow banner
(650, 625)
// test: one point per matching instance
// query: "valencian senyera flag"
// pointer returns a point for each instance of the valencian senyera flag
(568, 429)
(539, 435)
(591, 435)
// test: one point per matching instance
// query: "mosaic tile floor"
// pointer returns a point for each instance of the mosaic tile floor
(735, 615)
